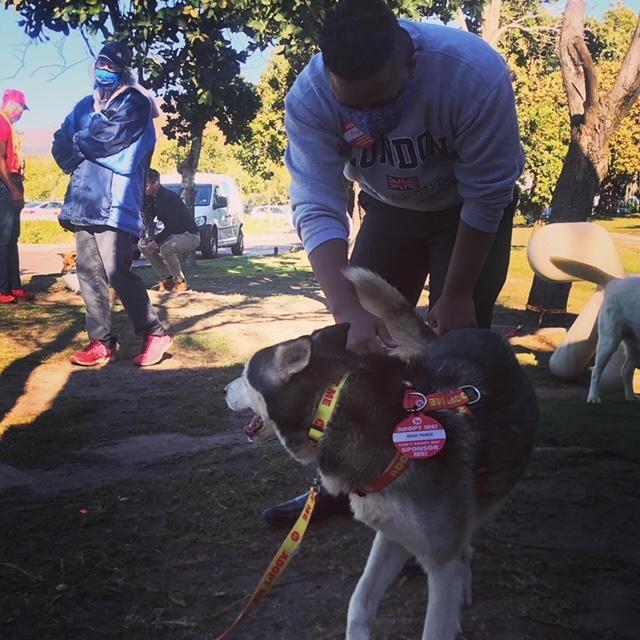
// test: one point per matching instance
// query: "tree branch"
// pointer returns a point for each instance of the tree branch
(626, 89)
(86, 41)
(578, 73)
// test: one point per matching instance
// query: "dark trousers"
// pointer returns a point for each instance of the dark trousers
(9, 234)
(405, 247)
(104, 257)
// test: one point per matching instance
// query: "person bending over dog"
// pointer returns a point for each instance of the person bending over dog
(423, 117)
(106, 143)
(168, 229)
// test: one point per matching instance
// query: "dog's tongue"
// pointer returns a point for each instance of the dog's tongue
(254, 426)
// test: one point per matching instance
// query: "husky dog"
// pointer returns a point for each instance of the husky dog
(618, 322)
(433, 508)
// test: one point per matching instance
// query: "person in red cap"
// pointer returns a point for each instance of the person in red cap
(11, 197)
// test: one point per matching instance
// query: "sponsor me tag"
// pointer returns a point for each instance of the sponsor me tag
(419, 436)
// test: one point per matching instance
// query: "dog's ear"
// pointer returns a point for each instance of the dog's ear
(334, 336)
(292, 357)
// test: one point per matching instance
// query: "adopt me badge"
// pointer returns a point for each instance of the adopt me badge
(419, 436)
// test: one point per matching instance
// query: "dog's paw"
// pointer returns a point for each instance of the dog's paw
(594, 400)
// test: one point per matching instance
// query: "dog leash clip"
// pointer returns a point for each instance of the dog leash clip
(414, 401)
(476, 393)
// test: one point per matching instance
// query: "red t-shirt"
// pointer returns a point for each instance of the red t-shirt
(9, 135)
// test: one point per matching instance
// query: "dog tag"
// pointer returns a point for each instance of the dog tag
(419, 436)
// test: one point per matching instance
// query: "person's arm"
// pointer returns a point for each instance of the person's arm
(455, 308)
(64, 151)
(108, 137)
(366, 332)
(17, 197)
(489, 161)
(147, 215)
(319, 202)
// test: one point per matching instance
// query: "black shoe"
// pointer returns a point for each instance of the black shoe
(285, 514)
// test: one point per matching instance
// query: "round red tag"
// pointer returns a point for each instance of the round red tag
(419, 436)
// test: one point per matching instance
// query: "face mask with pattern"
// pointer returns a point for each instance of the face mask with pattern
(106, 79)
(13, 111)
(381, 120)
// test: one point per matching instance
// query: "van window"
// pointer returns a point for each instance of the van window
(203, 193)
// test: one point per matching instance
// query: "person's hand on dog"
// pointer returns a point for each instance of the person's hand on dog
(452, 312)
(152, 247)
(367, 333)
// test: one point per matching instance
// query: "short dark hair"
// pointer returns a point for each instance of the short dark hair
(153, 175)
(358, 37)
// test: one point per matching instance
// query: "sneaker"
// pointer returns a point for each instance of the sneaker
(7, 298)
(180, 287)
(21, 294)
(153, 349)
(166, 284)
(94, 354)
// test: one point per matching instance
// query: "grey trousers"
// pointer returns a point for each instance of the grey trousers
(104, 257)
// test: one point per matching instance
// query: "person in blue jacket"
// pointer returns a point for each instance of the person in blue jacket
(423, 118)
(106, 144)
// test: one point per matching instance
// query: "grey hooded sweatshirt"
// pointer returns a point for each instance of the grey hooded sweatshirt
(457, 140)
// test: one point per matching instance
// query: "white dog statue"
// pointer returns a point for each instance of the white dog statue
(570, 252)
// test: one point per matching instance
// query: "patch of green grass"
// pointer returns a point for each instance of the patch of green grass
(221, 347)
(628, 224)
(44, 232)
(611, 426)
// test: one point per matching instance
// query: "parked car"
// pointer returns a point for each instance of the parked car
(46, 209)
(277, 212)
(218, 211)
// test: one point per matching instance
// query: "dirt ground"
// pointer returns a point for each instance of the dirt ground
(131, 503)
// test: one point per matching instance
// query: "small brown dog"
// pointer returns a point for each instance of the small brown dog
(70, 275)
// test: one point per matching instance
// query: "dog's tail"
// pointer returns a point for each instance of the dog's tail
(583, 271)
(377, 296)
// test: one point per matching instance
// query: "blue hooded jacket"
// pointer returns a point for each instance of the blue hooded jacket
(108, 154)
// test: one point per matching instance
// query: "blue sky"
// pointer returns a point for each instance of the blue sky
(55, 74)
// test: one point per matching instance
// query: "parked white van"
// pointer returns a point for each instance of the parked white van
(218, 211)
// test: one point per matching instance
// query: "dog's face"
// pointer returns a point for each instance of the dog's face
(274, 387)
(68, 262)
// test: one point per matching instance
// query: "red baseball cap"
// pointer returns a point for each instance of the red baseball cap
(14, 95)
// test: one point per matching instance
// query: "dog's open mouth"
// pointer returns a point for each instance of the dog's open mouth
(254, 427)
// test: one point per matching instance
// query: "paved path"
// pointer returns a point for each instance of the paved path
(43, 259)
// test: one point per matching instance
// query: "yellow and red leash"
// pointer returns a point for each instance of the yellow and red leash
(280, 561)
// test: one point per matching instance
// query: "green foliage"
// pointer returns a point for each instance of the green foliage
(545, 131)
(43, 232)
(268, 135)
(182, 51)
(44, 180)
(609, 38)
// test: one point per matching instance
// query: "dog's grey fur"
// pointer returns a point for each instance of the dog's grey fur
(433, 509)
(618, 323)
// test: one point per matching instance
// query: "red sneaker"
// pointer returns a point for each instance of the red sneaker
(6, 298)
(21, 294)
(153, 349)
(95, 353)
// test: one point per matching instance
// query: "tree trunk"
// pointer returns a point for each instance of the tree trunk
(188, 170)
(594, 119)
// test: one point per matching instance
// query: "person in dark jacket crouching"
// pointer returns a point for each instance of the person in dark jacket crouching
(168, 231)
(106, 144)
